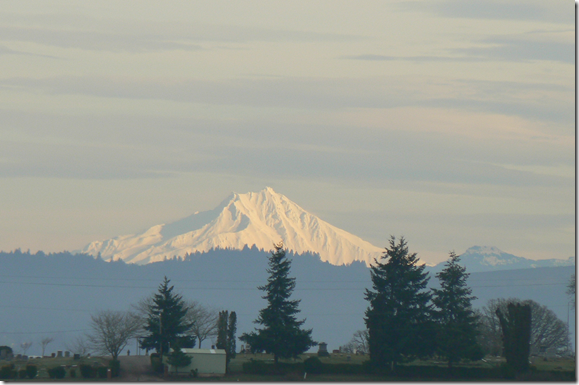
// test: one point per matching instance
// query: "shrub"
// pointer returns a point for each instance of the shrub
(102, 372)
(5, 372)
(22, 373)
(7, 348)
(260, 367)
(87, 371)
(313, 365)
(31, 371)
(57, 372)
(72, 372)
(157, 363)
(115, 366)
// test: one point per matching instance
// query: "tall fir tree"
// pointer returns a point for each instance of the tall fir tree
(516, 327)
(455, 318)
(222, 330)
(231, 331)
(166, 322)
(399, 316)
(281, 334)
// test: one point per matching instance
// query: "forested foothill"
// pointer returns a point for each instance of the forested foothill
(402, 320)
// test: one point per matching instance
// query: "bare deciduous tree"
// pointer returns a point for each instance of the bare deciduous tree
(79, 345)
(44, 342)
(25, 346)
(111, 331)
(204, 321)
(141, 311)
(358, 343)
(547, 331)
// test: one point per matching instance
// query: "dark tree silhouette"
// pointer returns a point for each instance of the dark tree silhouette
(399, 317)
(178, 359)
(166, 322)
(231, 331)
(281, 334)
(548, 332)
(516, 327)
(222, 330)
(456, 321)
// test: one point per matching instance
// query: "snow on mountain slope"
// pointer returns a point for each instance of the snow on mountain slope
(490, 258)
(259, 219)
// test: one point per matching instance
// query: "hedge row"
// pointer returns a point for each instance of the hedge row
(88, 371)
(261, 367)
(57, 372)
(7, 372)
(315, 366)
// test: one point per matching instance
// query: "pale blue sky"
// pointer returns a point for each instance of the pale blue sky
(448, 122)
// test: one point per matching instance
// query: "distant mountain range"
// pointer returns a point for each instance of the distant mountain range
(485, 258)
(257, 220)
(54, 295)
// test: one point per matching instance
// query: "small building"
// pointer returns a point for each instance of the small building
(207, 362)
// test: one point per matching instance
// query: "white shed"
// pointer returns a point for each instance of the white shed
(207, 362)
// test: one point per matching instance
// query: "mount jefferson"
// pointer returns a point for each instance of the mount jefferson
(241, 220)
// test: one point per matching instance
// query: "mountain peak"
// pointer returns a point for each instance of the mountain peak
(254, 218)
(484, 250)
(489, 258)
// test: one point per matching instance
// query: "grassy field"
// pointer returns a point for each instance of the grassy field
(236, 370)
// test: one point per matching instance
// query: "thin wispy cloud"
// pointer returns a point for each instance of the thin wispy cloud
(520, 99)
(520, 10)
(440, 108)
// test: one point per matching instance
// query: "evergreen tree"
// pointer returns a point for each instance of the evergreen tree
(231, 330)
(281, 334)
(456, 321)
(516, 327)
(222, 330)
(178, 359)
(398, 318)
(166, 322)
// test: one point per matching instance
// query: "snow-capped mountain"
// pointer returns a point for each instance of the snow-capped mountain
(241, 220)
(489, 258)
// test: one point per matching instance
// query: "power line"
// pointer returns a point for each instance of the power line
(214, 280)
(52, 332)
(246, 288)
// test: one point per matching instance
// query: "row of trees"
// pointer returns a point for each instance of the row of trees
(405, 320)
(163, 320)
(167, 320)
